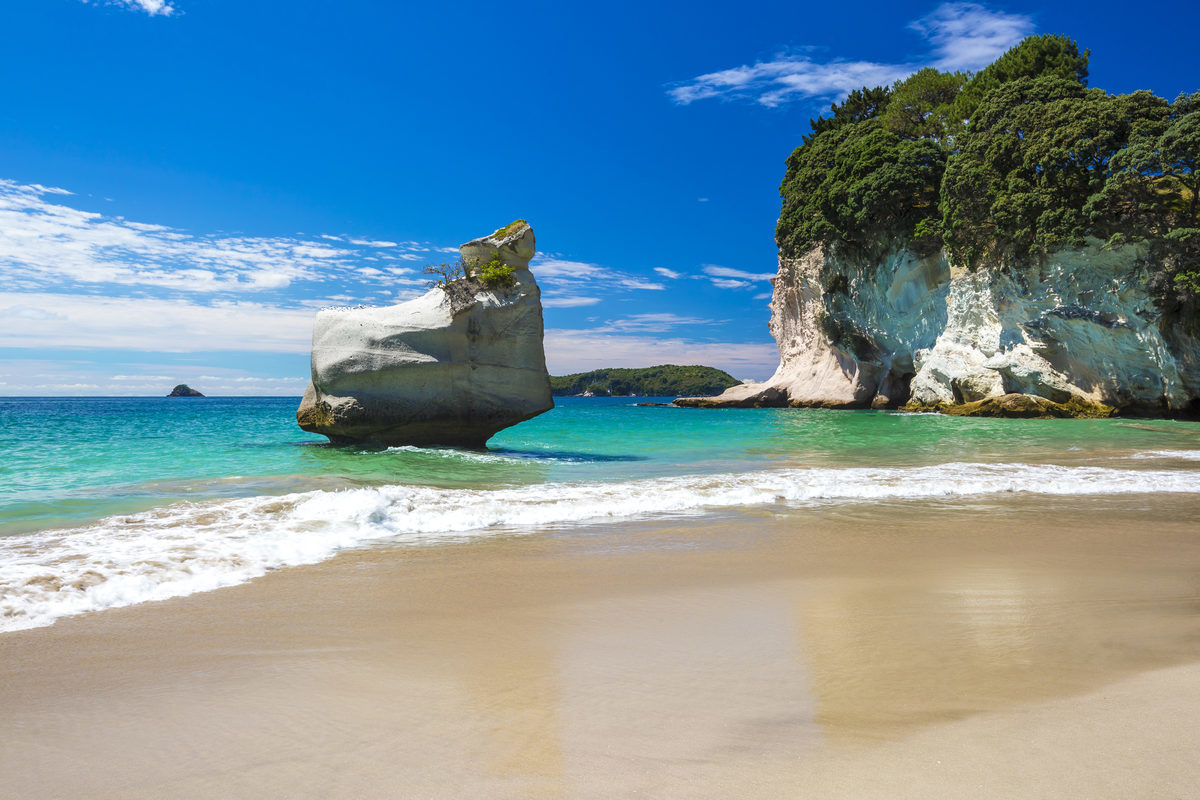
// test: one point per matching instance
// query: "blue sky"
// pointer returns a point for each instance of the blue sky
(183, 183)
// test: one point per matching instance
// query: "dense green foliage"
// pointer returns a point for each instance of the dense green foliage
(1047, 55)
(492, 274)
(923, 105)
(861, 104)
(496, 273)
(1037, 152)
(667, 380)
(1002, 167)
(860, 184)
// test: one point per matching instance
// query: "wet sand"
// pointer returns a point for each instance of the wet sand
(1019, 648)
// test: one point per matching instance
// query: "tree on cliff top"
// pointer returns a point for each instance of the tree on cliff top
(922, 105)
(861, 104)
(859, 184)
(1035, 155)
(1002, 167)
(1045, 55)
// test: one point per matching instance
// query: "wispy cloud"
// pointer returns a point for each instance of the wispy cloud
(726, 272)
(959, 35)
(638, 283)
(155, 8)
(727, 278)
(651, 323)
(668, 273)
(47, 244)
(970, 36)
(568, 301)
(68, 321)
(569, 284)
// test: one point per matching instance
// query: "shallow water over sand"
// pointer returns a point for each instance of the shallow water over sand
(113, 501)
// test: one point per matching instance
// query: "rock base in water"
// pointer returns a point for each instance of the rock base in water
(1022, 406)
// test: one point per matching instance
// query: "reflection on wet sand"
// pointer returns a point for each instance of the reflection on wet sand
(749, 655)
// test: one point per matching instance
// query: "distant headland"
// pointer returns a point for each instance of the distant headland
(666, 380)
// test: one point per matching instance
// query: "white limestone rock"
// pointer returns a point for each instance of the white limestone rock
(910, 329)
(846, 338)
(452, 367)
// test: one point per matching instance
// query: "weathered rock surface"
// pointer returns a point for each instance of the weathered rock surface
(1029, 406)
(452, 367)
(919, 333)
(183, 390)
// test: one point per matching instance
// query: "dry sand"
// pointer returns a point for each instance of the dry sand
(1020, 649)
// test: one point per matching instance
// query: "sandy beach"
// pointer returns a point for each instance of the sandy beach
(1015, 648)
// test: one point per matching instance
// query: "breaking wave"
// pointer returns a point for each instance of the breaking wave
(195, 547)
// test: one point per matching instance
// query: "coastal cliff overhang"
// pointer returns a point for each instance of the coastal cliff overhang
(919, 332)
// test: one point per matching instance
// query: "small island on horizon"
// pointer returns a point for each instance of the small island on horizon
(183, 390)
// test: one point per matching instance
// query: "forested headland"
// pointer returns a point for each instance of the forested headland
(667, 380)
(1003, 166)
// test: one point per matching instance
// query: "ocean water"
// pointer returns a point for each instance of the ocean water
(107, 502)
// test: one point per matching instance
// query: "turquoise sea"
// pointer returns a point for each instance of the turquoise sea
(107, 502)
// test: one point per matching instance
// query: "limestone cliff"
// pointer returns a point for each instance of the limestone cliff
(452, 367)
(1081, 327)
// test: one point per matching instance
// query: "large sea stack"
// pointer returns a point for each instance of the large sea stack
(1010, 242)
(452, 367)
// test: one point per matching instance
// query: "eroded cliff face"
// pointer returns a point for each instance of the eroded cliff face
(1081, 328)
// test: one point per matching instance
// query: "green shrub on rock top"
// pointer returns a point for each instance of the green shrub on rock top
(493, 274)
(496, 273)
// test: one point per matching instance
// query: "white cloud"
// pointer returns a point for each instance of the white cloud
(965, 36)
(46, 244)
(637, 283)
(160, 8)
(576, 283)
(668, 273)
(569, 351)
(550, 270)
(567, 301)
(726, 272)
(154, 325)
(29, 312)
(727, 283)
(651, 323)
(970, 36)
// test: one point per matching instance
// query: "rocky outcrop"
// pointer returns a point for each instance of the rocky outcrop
(183, 390)
(1029, 406)
(452, 367)
(1081, 331)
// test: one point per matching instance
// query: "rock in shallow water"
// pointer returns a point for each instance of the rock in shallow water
(452, 367)
(1023, 406)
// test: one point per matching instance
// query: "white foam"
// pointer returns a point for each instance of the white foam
(196, 547)
(1182, 455)
(454, 454)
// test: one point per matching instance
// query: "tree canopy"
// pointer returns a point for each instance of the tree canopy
(1002, 167)
(667, 380)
